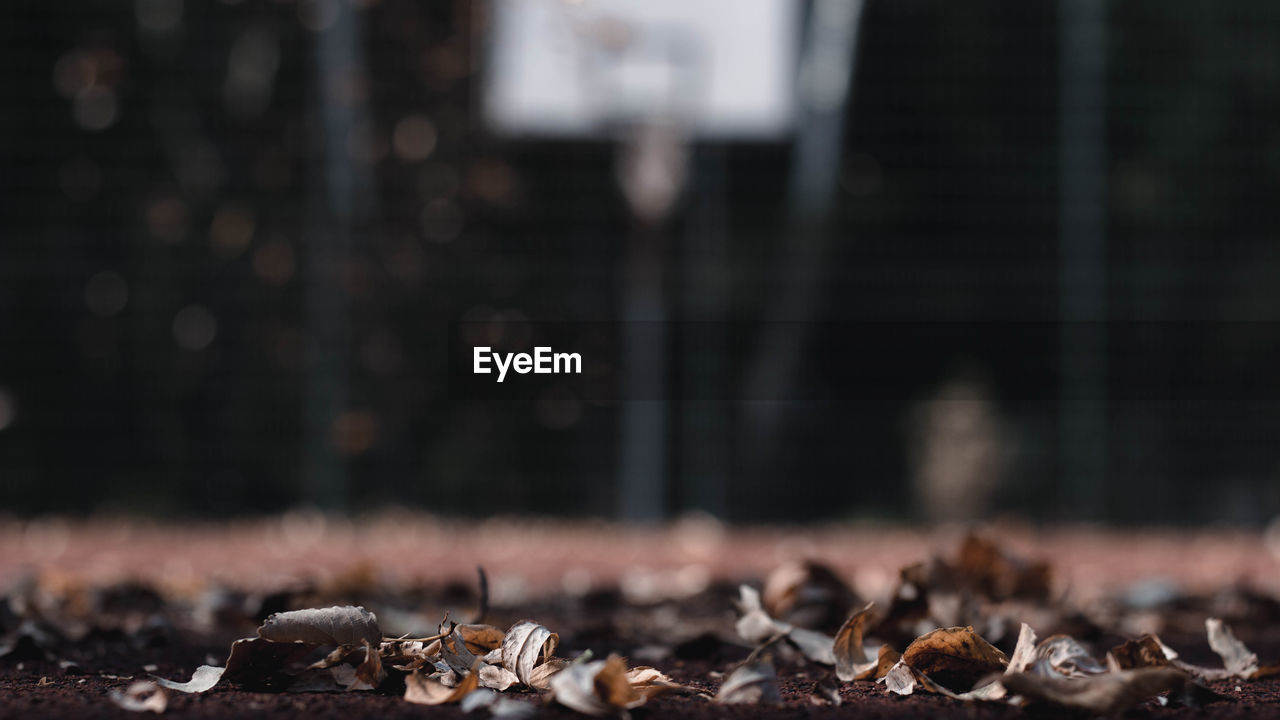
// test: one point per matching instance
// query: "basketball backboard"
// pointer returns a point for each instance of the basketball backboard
(721, 69)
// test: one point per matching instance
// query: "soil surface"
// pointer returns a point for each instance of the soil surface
(143, 599)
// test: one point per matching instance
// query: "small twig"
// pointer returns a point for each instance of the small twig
(429, 638)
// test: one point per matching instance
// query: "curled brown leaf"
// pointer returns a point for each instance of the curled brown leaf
(955, 657)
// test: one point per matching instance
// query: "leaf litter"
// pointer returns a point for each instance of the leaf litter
(943, 631)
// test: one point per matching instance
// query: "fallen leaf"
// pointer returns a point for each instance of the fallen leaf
(1024, 652)
(499, 707)
(540, 678)
(1238, 660)
(813, 645)
(141, 696)
(750, 684)
(496, 677)
(826, 692)
(886, 658)
(851, 659)
(955, 657)
(339, 625)
(525, 646)
(1068, 657)
(480, 639)
(651, 682)
(808, 594)
(596, 688)
(756, 625)
(424, 690)
(1109, 694)
(982, 567)
(203, 679)
(902, 679)
(1144, 651)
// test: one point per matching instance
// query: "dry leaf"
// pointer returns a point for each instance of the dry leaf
(423, 690)
(1024, 653)
(480, 639)
(596, 688)
(1109, 694)
(851, 659)
(344, 625)
(750, 684)
(826, 692)
(204, 678)
(1239, 661)
(455, 653)
(368, 674)
(651, 682)
(1145, 651)
(141, 696)
(302, 667)
(756, 625)
(499, 707)
(955, 657)
(886, 659)
(496, 677)
(807, 594)
(902, 679)
(813, 644)
(982, 567)
(1067, 657)
(525, 646)
(540, 678)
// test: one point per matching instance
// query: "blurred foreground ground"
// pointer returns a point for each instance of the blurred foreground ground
(551, 556)
(92, 606)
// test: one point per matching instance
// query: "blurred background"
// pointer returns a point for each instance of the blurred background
(826, 259)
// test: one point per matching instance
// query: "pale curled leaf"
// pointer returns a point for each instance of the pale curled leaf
(339, 625)
(496, 677)
(1068, 657)
(1238, 660)
(141, 696)
(851, 659)
(813, 644)
(755, 625)
(526, 646)
(1024, 652)
(499, 707)
(1109, 694)
(203, 679)
(751, 684)
(902, 679)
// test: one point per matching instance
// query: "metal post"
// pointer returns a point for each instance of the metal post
(336, 201)
(1083, 256)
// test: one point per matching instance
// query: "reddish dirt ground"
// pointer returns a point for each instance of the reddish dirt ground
(603, 588)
